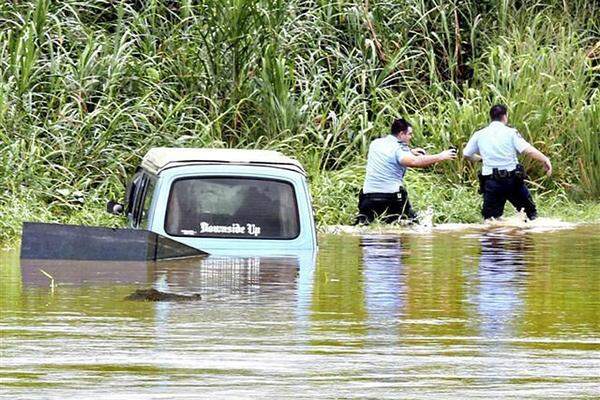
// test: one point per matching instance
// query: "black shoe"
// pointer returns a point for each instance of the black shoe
(361, 220)
(532, 217)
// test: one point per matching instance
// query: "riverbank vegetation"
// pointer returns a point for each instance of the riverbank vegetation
(87, 87)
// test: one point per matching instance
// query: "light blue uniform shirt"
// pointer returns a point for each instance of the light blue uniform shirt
(384, 169)
(497, 144)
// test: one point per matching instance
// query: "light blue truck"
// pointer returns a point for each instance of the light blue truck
(185, 202)
(223, 201)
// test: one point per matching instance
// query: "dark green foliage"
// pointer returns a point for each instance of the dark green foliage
(86, 87)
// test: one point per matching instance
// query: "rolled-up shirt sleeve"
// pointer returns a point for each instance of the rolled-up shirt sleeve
(471, 147)
(519, 143)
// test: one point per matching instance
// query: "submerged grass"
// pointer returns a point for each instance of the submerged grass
(86, 87)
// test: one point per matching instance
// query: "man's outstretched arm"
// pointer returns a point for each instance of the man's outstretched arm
(534, 153)
(423, 161)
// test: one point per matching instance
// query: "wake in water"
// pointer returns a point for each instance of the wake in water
(516, 223)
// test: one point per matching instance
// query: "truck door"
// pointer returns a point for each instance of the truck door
(139, 198)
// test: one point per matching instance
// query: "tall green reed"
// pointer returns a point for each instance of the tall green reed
(86, 87)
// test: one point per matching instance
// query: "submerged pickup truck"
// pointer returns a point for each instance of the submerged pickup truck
(222, 200)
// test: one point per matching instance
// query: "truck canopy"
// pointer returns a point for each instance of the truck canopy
(160, 158)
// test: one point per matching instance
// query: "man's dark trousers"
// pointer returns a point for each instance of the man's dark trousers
(389, 206)
(497, 190)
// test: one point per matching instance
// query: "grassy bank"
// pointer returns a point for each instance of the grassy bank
(335, 203)
(86, 87)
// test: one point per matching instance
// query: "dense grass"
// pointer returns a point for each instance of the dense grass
(86, 87)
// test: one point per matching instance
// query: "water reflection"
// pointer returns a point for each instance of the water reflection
(226, 274)
(383, 274)
(501, 276)
(210, 274)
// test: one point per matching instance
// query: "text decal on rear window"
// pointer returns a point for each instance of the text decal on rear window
(235, 228)
(232, 207)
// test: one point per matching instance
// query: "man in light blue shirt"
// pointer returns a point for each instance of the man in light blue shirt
(383, 193)
(502, 178)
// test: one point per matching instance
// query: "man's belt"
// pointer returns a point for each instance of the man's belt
(385, 196)
(518, 172)
(382, 196)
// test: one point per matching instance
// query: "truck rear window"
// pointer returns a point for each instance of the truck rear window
(232, 208)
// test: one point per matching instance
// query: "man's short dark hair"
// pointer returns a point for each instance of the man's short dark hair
(498, 111)
(400, 125)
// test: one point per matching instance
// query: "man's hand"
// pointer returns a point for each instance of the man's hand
(548, 166)
(417, 151)
(447, 155)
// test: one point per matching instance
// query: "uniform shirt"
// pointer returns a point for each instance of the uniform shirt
(384, 169)
(497, 144)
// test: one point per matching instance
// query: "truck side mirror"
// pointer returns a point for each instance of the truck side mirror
(112, 207)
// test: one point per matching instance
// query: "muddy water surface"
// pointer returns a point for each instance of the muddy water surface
(495, 313)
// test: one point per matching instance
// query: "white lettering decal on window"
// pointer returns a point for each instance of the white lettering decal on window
(237, 229)
(253, 229)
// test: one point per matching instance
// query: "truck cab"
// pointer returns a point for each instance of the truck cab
(224, 201)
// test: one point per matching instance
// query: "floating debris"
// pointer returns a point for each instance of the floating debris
(157, 295)
(49, 277)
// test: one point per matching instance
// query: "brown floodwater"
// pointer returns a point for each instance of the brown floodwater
(464, 314)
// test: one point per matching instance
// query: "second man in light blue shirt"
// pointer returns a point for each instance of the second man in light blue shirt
(383, 194)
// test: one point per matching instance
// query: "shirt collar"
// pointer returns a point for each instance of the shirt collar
(395, 139)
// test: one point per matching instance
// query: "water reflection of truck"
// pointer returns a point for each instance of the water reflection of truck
(190, 275)
(223, 200)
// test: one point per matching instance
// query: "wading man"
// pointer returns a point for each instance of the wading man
(502, 178)
(383, 194)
